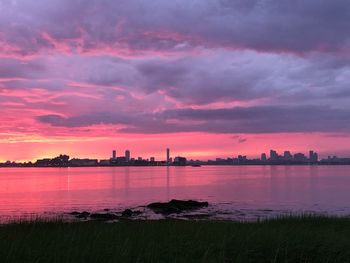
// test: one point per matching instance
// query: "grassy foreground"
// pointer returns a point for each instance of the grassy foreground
(284, 240)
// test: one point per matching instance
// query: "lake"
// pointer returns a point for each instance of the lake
(234, 192)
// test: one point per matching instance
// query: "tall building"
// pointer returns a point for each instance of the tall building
(168, 155)
(114, 154)
(287, 156)
(300, 157)
(180, 161)
(273, 155)
(263, 157)
(127, 156)
(313, 157)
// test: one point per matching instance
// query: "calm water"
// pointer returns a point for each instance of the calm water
(233, 191)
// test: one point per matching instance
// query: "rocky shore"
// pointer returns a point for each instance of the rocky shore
(166, 208)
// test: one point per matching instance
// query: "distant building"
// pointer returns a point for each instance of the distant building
(168, 155)
(114, 154)
(121, 160)
(83, 162)
(313, 157)
(242, 159)
(336, 160)
(300, 157)
(180, 161)
(104, 162)
(287, 156)
(127, 156)
(273, 155)
(263, 157)
(221, 161)
(153, 159)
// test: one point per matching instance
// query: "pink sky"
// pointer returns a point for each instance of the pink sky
(207, 78)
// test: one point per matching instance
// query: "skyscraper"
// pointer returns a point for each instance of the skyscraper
(273, 155)
(313, 157)
(287, 156)
(114, 155)
(263, 157)
(127, 156)
(168, 155)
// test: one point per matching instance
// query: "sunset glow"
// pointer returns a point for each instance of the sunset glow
(83, 79)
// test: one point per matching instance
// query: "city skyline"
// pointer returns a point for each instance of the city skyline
(78, 78)
(272, 158)
(115, 153)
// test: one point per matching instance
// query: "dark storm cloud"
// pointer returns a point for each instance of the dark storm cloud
(257, 119)
(274, 25)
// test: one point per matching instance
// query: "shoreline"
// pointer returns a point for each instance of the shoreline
(202, 165)
(187, 210)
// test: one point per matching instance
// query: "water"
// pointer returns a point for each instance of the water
(234, 192)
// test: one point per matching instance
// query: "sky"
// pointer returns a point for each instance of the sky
(213, 78)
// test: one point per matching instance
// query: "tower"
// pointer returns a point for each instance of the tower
(114, 154)
(168, 155)
(127, 156)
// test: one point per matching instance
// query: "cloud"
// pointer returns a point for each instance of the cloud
(257, 119)
(29, 27)
(239, 139)
(84, 120)
(160, 66)
(13, 68)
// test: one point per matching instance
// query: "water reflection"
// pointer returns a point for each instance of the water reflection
(37, 190)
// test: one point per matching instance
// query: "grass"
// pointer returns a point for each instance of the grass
(297, 239)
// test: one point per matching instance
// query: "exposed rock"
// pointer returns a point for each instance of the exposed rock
(137, 212)
(75, 213)
(130, 213)
(176, 206)
(106, 216)
(83, 214)
(127, 213)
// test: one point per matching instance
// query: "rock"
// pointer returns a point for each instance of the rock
(130, 213)
(106, 216)
(127, 213)
(176, 206)
(75, 213)
(83, 214)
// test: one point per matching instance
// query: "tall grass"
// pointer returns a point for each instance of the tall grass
(292, 239)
